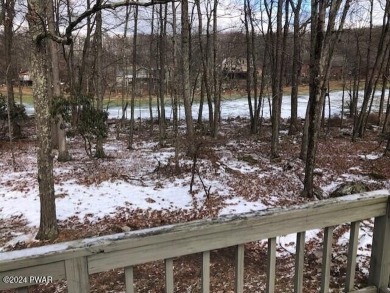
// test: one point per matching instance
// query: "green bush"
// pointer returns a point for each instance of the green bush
(19, 115)
(91, 123)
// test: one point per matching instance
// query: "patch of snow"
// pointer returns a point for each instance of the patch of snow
(112, 147)
(20, 238)
(330, 187)
(351, 177)
(239, 205)
(288, 242)
(238, 165)
(373, 156)
(96, 200)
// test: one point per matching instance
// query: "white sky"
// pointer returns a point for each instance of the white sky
(230, 14)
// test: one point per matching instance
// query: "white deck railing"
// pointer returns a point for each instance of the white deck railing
(76, 260)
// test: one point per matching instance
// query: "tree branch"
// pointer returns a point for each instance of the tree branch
(67, 37)
(99, 6)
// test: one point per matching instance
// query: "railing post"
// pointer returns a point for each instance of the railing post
(239, 268)
(380, 255)
(352, 252)
(77, 276)
(299, 262)
(206, 272)
(169, 285)
(271, 265)
(129, 279)
(326, 259)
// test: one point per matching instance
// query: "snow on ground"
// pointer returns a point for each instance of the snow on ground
(372, 156)
(94, 201)
(85, 191)
(239, 176)
(240, 205)
(78, 195)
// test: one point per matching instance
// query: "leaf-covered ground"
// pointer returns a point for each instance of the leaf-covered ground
(143, 187)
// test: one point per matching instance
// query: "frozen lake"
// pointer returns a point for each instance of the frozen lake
(236, 107)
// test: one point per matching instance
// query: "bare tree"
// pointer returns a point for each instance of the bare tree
(124, 83)
(216, 80)
(355, 74)
(99, 89)
(276, 54)
(8, 15)
(205, 53)
(324, 35)
(185, 50)
(59, 137)
(133, 80)
(162, 70)
(383, 44)
(151, 71)
(81, 72)
(174, 84)
(296, 65)
(385, 80)
(39, 36)
(48, 228)
(251, 78)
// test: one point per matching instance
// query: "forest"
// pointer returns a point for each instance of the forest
(123, 115)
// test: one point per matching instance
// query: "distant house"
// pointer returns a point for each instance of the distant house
(235, 64)
(25, 78)
(142, 74)
(235, 67)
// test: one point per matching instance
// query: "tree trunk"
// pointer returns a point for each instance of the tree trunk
(133, 81)
(383, 45)
(216, 82)
(322, 46)
(205, 56)
(59, 140)
(162, 72)
(249, 54)
(296, 67)
(124, 83)
(48, 228)
(305, 133)
(277, 92)
(99, 80)
(174, 86)
(151, 73)
(85, 69)
(185, 31)
(314, 107)
(69, 57)
(385, 80)
(256, 104)
(356, 82)
(8, 16)
(386, 122)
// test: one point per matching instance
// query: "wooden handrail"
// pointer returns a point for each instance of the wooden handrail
(76, 260)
